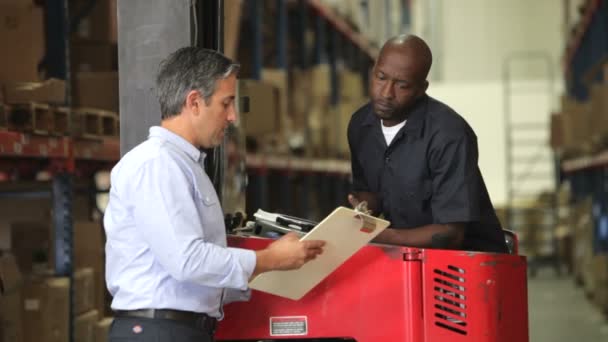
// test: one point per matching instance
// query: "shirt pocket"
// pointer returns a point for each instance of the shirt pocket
(415, 203)
(211, 216)
(206, 199)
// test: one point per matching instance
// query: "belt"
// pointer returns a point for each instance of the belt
(196, 320)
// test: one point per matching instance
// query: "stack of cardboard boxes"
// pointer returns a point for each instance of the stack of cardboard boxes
(581, 127)
(352, 97)
(22, 36)
(575, 117)
(35, 303)
(93, 60)
(11, 328)
(324, 122)
(304, 117)
(590, 267)
(22, 79)
(94, 63)
(259, 111)
(289, 112)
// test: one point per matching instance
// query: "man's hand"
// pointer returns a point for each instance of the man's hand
(356, 198)
(287, 253)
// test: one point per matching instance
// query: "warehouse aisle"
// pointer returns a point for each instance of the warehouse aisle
(560, 312)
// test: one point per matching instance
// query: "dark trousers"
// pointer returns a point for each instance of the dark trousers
(128, 329)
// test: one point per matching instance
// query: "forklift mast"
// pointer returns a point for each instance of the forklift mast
(148, 31)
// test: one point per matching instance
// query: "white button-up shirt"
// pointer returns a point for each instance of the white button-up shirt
(166, 239)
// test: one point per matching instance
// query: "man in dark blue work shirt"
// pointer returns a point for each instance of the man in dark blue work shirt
(414, 159)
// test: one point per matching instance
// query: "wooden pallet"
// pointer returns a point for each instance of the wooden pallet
(31, 117)
(61, 120)
(599, 142)
(4, 110)
(94, 123)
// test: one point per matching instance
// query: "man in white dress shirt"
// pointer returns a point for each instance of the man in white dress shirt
(168, 267)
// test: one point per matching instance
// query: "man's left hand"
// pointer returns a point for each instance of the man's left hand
(356, 198)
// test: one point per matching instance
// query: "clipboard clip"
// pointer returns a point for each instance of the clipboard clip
(367, 224)
(362, 208)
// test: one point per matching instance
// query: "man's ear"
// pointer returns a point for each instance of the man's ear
(193, 101)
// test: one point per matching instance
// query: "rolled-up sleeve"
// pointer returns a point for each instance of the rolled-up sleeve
(453, 165)
(166, 216)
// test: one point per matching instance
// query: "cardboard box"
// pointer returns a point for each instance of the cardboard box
(22, 36)
(301, 99)
(232, 27)
(94, 57)
(89, 242)
(599, 109)
(96, 90)
(278, 78)
(318, 124)
(10, 300)
(49, 91)
(351, 86)
(345, 111)
(102, 329)
(84, 327)
(9, 273)
(600, 266)
(99, 23)
(84, 290)
(576, 123)
(557, 131)
(30, 241)
(321, 80)
(36, 209)
(46, 309)
(259, 107)
(11, 321)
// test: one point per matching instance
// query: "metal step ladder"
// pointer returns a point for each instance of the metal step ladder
(530, 168)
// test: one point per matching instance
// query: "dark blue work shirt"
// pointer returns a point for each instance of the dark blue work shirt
(428, 174)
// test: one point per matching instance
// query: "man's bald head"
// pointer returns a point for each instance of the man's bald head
(413, 47)
(398, 78)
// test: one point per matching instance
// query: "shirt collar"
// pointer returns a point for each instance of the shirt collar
(415, 119)
(177, 141)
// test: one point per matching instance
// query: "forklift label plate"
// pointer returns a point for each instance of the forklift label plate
(288, 326)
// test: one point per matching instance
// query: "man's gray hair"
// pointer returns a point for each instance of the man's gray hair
(187, 69)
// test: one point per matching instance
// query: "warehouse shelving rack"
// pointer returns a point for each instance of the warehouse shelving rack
(587, 47)
(308, 188)
(66, 159)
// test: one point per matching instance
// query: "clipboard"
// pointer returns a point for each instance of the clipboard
(344, 231)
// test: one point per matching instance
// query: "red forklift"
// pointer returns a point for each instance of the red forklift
(381, 293)
(389, 293)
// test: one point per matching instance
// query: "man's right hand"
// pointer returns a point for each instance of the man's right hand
(287, 253)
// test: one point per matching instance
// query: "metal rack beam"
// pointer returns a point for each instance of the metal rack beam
(341, 26)
(256, 27)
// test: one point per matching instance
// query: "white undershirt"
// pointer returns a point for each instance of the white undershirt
(390, 132)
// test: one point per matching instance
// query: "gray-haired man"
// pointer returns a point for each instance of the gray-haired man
(168, 266)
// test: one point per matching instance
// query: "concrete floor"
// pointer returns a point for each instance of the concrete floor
(559, 311)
